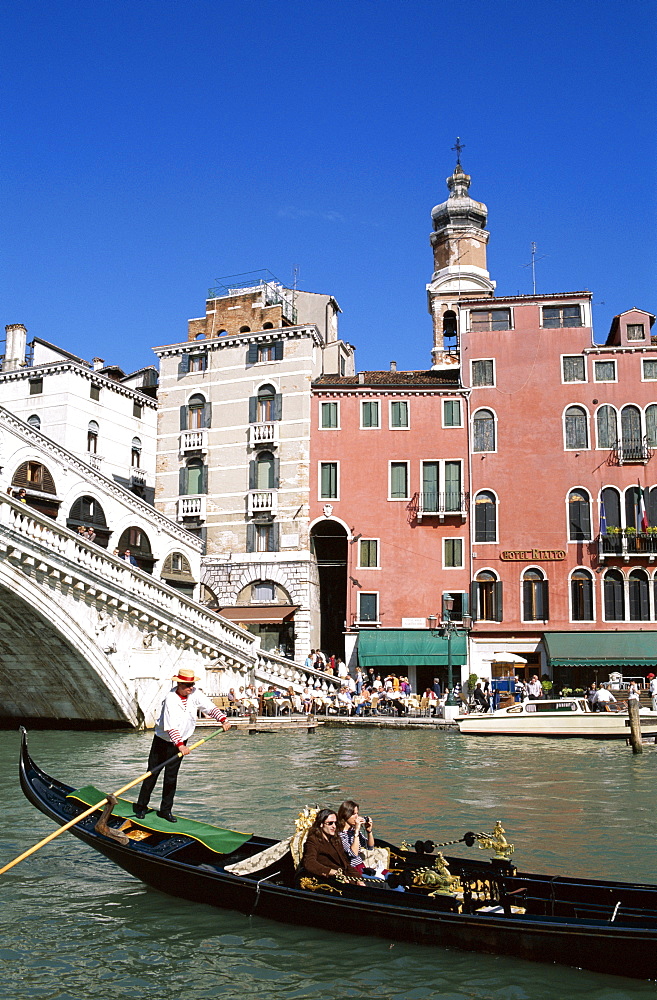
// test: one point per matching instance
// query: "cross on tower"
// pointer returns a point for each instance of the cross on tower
(457, 149)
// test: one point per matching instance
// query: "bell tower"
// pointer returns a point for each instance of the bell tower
(459, 241)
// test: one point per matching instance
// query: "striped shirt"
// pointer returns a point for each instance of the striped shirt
(177, 719)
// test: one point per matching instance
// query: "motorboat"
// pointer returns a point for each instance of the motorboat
(555, 717)
(474, 904)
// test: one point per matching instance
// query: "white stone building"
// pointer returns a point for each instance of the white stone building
(234, 450)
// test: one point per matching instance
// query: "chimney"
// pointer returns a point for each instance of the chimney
(361, 378)
(98, 363)
(14, 347)
(393, 366)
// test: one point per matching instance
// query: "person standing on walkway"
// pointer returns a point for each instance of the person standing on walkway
(653, 693)
(174, 727)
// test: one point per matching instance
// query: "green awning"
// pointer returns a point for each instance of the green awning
(407, 648)
(602, 649)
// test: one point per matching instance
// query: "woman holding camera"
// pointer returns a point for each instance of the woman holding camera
(355, 831)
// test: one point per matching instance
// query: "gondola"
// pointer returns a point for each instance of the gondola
(470, 904)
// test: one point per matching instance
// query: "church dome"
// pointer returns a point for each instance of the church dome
(460, 209)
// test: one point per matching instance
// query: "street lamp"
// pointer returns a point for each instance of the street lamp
(447, 628)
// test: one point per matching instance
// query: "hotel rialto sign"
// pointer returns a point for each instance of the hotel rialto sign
(532, 555)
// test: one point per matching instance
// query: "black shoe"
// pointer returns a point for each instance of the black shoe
(167, 816)
(140, 811)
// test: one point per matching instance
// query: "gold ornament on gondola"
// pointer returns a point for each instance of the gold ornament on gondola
(496, 841)
(439, 878)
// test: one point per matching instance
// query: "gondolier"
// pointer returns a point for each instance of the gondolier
(175, 725)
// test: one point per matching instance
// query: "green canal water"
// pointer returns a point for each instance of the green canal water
(72, 926)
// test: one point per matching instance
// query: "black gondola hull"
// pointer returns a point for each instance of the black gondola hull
(559, 933)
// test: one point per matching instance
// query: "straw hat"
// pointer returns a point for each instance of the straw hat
(185, 676)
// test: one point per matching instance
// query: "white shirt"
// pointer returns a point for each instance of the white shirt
(177, 719)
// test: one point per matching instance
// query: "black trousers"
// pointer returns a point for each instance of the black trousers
(161, 750)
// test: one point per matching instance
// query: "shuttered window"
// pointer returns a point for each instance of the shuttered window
(576, 428)
(483, 373)
(581, 596)
(485, 517)
(614, 596)
(483, 431)
(607, 424)
(328, 477)
(574, 369)
(399, 480)
(579, 516)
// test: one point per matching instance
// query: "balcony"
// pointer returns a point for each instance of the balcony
(95, 461)
(137, 476)
(191, 507)
(262, 502)
(626, 544)
(265, 433)
(632, 451)
(194, 441)
(440, 505)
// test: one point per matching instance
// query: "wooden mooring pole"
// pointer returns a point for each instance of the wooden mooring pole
(635, 725)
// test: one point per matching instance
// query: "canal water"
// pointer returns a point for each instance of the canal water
(72, 926)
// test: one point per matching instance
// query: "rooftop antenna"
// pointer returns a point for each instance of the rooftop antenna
(295, 283)
(532, 264)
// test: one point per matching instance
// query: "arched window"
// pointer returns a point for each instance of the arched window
(651, 507)
(639, 596)
(197, 412)
(581, 596)
(534, 596)
(245, 329)
(34, 421)
(135, 453)
(92, 437)
(265, 471)
(222, 333)
(177, 572)
(34, 476)
(651, 425)
(579, 516)
(607, 425)
(631, 437)
(86, 512)
(195, 481)
(483, 428)
(576, 425)
(486, 598)
(200, 336)
(614, 595)
(136, 543)
(267, 326)
(485, 517)
(632, 515)
(266, 400)
(610, 501)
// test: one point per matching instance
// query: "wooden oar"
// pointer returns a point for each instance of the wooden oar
(101, 802)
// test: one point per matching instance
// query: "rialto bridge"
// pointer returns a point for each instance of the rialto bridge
(87, 638)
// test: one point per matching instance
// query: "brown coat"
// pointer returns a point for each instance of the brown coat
(322, 854)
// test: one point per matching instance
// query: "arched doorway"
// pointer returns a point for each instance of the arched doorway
(329, 546)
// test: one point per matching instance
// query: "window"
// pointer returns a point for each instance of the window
(329, 416)
(490, 319)
(607, 425)
(198, 362)
(639, 596)
(34, 421)
(611, 508)
(265, 538)
(398, 481)
(33, 475)
(631, 436)
(265, 478)
(266, 406)
(272, 351)
(604, 371)
(486, 597)
(483, 373)
(576, 425)
(94, 392)
(328, 480)
(266, 352)
(579, 516)
(432, 501)
(193, 478)
(452, 486)
(135, 453)
(651, 425)
(368, 553)
(368, 607)
(92, 437)
(635, 331)
(485, 517)
(649, 370)
(369, 413)
(483, 431)
(198, 413)
(452, 413)
(137, 409)
(534, 596)
(574, 368)
(581, 596)
(399, 417)
(263, 590)
(453, 553)
(36, 386)
(614, 596)
(558, 316)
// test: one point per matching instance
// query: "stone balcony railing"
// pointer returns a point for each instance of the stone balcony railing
(262, 502)
(273, 669)
(191, 507)
(194, 441)
(264, 433)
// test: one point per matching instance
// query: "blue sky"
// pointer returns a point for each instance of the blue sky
(150, 148)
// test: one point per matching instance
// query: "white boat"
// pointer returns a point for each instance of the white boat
(555, 717)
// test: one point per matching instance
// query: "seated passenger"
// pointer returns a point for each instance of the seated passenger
(323, 853)
(350, 831)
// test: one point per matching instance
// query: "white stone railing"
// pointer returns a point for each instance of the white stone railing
(273, 669)
(263, 433)
(191, 507)
(194, 440)
(261, 501)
